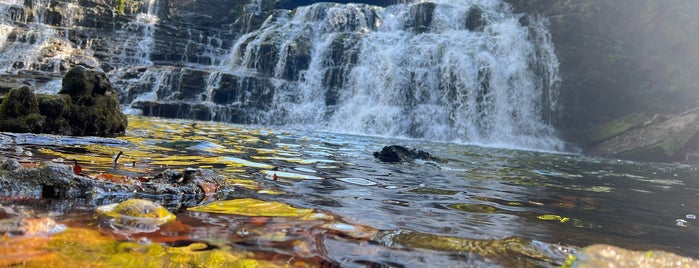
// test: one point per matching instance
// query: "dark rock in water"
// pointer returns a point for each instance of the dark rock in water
(51, 180)
(397, 154)
(86, 105)
(475, 21)
(421, 17)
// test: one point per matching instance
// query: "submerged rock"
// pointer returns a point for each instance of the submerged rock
(30, 226)
(137, 215)
(399, 154)
(86, 105)
(599, 256)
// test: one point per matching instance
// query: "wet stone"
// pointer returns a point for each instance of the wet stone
(398, 154)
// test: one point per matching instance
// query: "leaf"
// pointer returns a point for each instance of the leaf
(112, 178)
(209, 188)
(251, 207)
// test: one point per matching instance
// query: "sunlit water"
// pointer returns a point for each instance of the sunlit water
(478, 206)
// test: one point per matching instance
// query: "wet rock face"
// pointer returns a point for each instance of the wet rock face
(660, 138)
(421, 17)
(400, 154)
(87, 105)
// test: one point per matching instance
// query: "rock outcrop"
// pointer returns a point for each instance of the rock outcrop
(87, 105)
(660, 138)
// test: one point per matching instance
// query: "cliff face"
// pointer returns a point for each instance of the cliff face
(619, 58)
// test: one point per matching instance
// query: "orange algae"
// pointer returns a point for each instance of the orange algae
(88, 248)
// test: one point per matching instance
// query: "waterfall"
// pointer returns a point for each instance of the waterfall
(32, 38)
(466, 71)
(138, 37)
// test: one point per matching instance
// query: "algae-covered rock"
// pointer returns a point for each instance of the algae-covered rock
(19, 111)
(616, 127)
(137, 215)
(86, 105)
(600, 256)
(95, 110)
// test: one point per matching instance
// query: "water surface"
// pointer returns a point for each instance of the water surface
(478, 206)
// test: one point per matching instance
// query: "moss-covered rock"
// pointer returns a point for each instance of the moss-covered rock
(19, 111)
(615, 127)
(667, 139)
(86, 105)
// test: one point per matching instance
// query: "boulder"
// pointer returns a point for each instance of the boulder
(86, 105)
(400, 154)
(660, 139)
(19, 111)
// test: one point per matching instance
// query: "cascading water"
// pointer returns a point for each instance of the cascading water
(42, 43)
(136, 48)
(469, 71)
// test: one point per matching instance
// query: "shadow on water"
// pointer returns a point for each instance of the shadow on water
(480, 206)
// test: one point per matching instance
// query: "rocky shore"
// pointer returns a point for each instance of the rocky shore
(58, 180)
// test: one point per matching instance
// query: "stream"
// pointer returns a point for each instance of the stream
(475, 206)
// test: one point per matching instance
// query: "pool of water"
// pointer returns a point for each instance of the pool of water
(475, 206)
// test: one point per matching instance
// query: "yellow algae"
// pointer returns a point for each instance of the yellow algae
(251, 207)
(475, 208)
(549, 217)
(317, 216)
(88, 248)
(290, 175)
(137, 214)
(247, 184)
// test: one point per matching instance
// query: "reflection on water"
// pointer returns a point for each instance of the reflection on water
(481, 206)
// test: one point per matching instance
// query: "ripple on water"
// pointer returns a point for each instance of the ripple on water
(289, 175)
(358, 181)
(305, 170)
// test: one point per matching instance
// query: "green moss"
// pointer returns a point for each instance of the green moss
(19, 112)
(18, 102)
(616, 127)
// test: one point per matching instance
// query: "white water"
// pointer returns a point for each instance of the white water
(136, 48)
(447, 83)
(38, 46)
